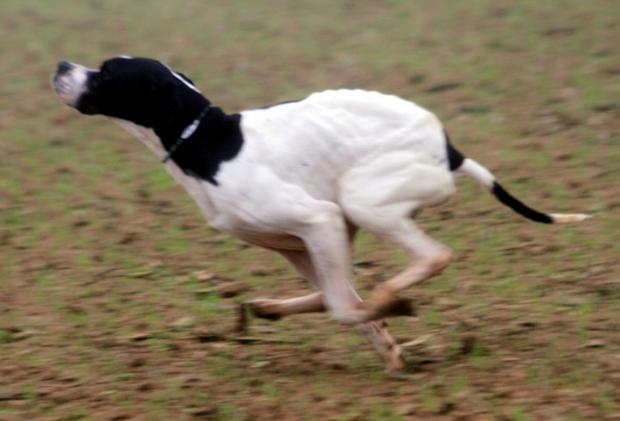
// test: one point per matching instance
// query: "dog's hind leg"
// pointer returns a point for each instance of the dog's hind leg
(428, 258)
(382, 200)
(274, 309)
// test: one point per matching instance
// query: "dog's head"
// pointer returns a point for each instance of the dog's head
(139, 90)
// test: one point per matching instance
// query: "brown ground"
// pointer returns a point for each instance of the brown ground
(109, 307)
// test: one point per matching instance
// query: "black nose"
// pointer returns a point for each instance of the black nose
(63, 67)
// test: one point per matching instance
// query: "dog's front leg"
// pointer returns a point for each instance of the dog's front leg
(327, 243)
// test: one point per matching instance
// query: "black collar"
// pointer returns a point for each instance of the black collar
(186, 134)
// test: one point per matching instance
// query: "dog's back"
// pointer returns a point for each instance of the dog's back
(330, 132)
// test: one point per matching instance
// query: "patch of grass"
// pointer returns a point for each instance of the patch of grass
(480, 356)
(382, 412)
(76, 415)
(5, 336)
(457, 385)
(584, 314)
(605, 401)
(228, 411)
(519, 413)
(157, 180)
(431, 316)
(270, 390)
(429, 399)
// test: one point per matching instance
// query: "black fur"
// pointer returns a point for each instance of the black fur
(518, 206)
(217, 139)
(455, 158)
(145, 92)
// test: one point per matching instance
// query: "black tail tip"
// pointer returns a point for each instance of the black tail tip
(521, 208)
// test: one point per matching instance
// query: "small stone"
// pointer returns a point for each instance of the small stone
(261, 364)
(595, 343)
(225, 290)
(206, 413)
(475, 108)
(526, 324)
(406, 409)
(145, 387)
(205, 335)
(141, 274)
(137, 362)
(446, 408)
(443, 87)
(606, 106)
(140, 336)
(447, 304)
(10, 396)
(183, 322)
(24, 334)
(203, 275)
(572, 301)
(468, 343)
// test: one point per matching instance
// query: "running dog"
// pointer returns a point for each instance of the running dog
(299, 178)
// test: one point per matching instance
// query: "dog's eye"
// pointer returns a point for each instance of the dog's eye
(98, 78)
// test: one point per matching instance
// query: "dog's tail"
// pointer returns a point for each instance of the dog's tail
(460, 164)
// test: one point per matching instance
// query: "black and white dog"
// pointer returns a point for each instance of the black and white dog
(298, 178)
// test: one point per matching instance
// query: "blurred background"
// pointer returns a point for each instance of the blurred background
(118, 302)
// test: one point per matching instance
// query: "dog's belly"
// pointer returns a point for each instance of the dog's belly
(272, 241)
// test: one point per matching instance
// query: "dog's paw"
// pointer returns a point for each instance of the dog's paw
(264, 308)
(400, 307)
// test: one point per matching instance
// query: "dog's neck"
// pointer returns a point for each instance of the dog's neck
(185, 107)
(217, 138)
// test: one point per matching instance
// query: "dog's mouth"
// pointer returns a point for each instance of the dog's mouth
(60, 84)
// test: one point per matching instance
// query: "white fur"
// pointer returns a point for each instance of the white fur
(477, 172)
(72, 84)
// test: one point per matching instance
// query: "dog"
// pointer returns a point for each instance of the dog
(299, 178)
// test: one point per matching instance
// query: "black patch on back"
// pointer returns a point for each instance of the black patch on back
(455, 158)
(521, 208)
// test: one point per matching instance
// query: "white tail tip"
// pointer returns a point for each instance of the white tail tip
(568, 218)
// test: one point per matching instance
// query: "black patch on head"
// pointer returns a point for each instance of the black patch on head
(518, 206)
(140, 90)
(147, 93)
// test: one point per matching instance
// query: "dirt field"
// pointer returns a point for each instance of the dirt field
(109, 299)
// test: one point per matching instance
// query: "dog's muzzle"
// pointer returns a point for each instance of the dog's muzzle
(69, 81)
